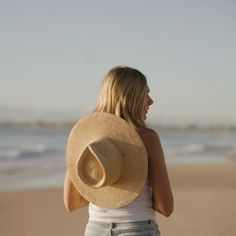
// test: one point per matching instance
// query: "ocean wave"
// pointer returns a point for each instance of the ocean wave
(195, 148)
(15, 153)
(26, 168)
(184, 150)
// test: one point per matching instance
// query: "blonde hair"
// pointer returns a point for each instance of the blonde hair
(122, 93)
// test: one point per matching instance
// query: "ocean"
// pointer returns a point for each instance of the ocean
(34, 156)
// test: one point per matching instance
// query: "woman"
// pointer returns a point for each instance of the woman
(125, 93)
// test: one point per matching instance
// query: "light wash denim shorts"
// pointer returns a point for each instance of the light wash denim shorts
(137, 228)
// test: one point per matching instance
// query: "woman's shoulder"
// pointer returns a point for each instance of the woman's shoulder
(148, 134)
(150, 139)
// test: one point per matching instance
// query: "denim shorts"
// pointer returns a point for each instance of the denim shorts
(137, 228)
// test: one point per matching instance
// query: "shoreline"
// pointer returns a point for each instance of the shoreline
(179, 171)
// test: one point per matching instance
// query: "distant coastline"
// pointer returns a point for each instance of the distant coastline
(68, 124)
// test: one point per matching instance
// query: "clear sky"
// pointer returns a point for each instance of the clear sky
(54, 54)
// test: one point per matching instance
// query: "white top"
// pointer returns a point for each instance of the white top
(138, 210)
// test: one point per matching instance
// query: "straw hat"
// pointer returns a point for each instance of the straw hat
(107, 160)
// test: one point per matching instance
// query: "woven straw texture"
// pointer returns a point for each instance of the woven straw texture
(134, 167)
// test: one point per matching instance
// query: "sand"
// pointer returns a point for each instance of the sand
(205, 205)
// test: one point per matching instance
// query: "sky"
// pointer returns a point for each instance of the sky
(54, 55)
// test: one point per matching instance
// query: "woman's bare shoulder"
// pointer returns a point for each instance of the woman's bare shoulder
(151, 141)
(148, 135)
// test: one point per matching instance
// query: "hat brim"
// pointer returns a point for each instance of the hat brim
(135, 164)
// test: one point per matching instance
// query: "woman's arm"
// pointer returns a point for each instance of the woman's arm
(157, 174)
(72, 199)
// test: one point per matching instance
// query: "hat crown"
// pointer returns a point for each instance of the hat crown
(100, 163)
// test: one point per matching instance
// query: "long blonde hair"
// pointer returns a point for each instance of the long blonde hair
(122, 93)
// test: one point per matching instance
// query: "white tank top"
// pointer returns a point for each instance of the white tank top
(138, 210)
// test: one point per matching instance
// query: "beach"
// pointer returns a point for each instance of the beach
(204, 206)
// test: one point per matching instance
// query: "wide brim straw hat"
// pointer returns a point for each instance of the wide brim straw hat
(106, 160)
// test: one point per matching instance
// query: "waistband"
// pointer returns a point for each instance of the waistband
(117, 224)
